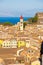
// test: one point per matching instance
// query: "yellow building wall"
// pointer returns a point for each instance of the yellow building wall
(1, 41)
(37, 62)
(21, 44)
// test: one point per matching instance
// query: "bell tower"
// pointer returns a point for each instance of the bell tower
(21, 23)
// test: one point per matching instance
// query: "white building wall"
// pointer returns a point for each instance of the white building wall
(6, 44)
(13, 44)
(21, 24)
(21, 20)
(9, 44)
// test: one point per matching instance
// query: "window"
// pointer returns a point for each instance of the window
(1, 45)
(4, 44)
(7, 46)
(29, 51)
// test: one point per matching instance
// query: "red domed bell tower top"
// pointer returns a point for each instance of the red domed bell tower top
(21, 17)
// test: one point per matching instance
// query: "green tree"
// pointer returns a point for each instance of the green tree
(30, 20)
(7, 23)
(33, 20)
(24, 24)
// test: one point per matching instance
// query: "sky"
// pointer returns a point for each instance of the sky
(16, 8)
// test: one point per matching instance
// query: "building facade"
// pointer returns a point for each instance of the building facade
(40, 17)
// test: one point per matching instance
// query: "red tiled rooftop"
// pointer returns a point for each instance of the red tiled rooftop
(21, 17)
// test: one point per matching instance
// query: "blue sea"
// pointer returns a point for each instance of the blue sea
(13, 20)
